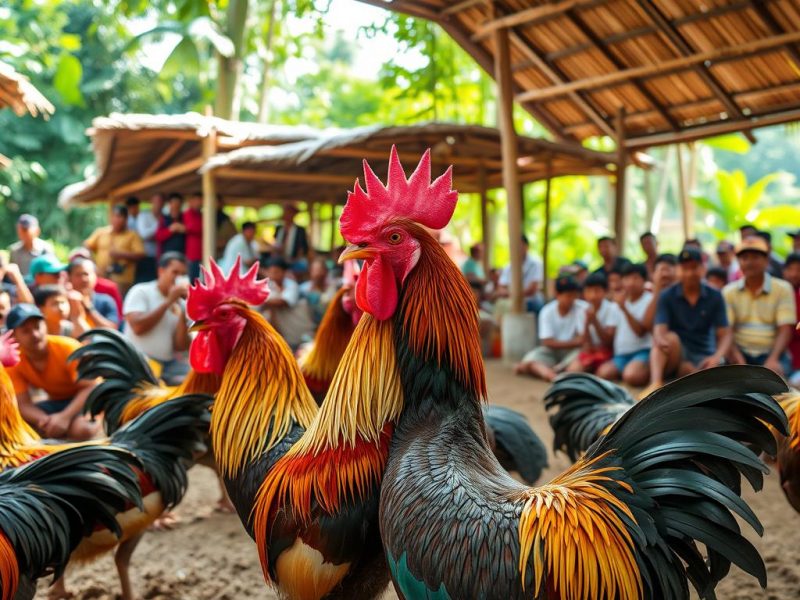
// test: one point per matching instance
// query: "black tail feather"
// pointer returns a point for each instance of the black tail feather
(518, 448)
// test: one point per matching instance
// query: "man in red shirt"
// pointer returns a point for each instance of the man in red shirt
(791, 273)
(193, 222)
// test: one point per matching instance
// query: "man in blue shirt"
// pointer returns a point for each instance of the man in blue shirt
(691, 329)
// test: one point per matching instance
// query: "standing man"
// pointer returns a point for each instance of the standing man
(291, 240)
(171, 233)
(532, 278)
(775, 267)
(795, 235)
(145, 223)
(30, 245)
(44, 366)
(691, 326)
(117, 249)
(242, 244)
(727, 260)
(155, 312)
(609, 252)
(649, 245)
(193, 223)
(761, 310)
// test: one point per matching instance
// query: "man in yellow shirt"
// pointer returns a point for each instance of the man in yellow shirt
(44, 366)
(117, 249)
(761, 310)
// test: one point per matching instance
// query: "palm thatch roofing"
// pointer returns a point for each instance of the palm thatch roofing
(323, 168)
(20, 94)
(259, 164)
(144, 154)
(680, 69)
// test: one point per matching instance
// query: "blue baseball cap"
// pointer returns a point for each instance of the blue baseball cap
(21, 313)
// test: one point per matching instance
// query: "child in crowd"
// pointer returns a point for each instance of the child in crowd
(52, 301)
(600, 323)
(717, 278)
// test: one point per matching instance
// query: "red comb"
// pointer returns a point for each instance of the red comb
(415, 198)
(216, 288)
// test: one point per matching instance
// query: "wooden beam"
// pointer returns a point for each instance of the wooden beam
(620, 204)
(530, 16)
(133, 187)
(209, 197)
(683, 47)
(158, 134)
(760, 6)
(546, 235)
(686, 222)
(455, 160)
(618, 64)
(508, 136)
(714, 129)
(661, 68)
(486, 230)
(460, 6)
(171, 151)
(285, 176)
(333, 225)
(557, 76)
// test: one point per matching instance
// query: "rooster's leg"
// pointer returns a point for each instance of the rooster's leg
(123, 560)
(224, 503)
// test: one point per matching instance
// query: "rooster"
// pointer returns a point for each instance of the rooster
(788, 456)
(165, 439)
(585, 408)
(623, 522)
(49, 505)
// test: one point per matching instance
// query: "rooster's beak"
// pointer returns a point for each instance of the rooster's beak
(354, 251)
(197, 326)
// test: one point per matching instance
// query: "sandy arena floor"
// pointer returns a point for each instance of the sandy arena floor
(209, 557)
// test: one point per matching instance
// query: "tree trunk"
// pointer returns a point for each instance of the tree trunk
(229, 97)
(266, 66)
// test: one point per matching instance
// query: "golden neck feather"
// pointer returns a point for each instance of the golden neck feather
(16, 436)
(365, 393)
(331, 341)
(261, 394)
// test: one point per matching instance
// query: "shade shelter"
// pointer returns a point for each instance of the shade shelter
(644, 72)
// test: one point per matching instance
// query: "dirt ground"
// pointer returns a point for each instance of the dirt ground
(208, 556)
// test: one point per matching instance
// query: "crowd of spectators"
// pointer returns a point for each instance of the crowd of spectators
(667, 316)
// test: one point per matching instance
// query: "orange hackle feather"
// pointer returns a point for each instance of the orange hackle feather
(580, 546)
(17, 438)
(330, 342)
(255, 407)
(148, 396)
(9, 568)
(343, 453)
(790, 403)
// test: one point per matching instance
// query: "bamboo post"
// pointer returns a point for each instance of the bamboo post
(486, 229)
(313, 223)
(546, 236)
(508, 136)
(209, 196)
(333, 225)
(620, 208)
(686, 208)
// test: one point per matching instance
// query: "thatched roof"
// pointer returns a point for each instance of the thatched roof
(20, 95)
(322, 169)
(681, 70)
(144, 154)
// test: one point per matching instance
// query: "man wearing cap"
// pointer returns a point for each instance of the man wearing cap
(561, 333)
(30, 245)
(116, 249)
(44, 366)
(691, 329)
(761, 310)
(46, 270)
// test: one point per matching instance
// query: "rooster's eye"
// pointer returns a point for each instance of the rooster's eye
(395, 237)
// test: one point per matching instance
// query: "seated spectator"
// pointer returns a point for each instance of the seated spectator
(791, 273)
(472, 267)
(532, 278)
(46, 270)
(317, 291)
(242, 244)
(665, 274)
(291, 240)
(649, 244)
(487, 326)
(5, 307)
(761, 311)
(717, 278)
(615, 281)
(747, 230)
(795, 235)
(59, 318)
(44, 366)
(580, 271)
(691, 329)
(561, 333)
(726, 259)
(155, 312)
(775, 268)
(600, 321)
(14, 283)
(98, 310)
(116, 249)
(632, 339)
(609, 252)
(30, 245)
(102, 285)
(287, 313)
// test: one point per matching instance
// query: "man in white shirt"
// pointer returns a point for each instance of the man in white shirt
(532, 278)
(599, 326)
(155, 314)
(561, 333)
(145, 223)
(632, 339)
(242, 244)
(287, 312)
